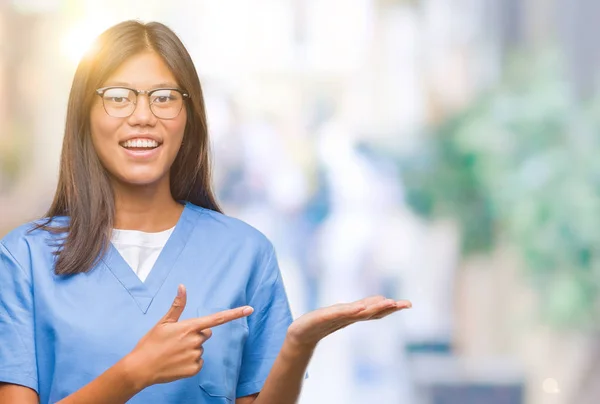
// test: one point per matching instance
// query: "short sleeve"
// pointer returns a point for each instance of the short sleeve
(267, 326)
(17, 343)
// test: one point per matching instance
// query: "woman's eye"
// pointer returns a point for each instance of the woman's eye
(165, 97)
(118, 96)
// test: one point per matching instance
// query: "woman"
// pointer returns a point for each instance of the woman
(93, 307)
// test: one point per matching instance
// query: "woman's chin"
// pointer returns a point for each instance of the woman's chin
(140, 180)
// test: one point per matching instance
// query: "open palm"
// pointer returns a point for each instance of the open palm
(313, 326)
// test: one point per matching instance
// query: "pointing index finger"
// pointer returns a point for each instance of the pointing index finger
(219, 318)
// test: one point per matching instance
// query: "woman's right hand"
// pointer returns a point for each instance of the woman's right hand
(173, 349)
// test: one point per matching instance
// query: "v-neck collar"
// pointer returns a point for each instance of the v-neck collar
(144, 292)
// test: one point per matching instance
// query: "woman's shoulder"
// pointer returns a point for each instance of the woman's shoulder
(22, 238)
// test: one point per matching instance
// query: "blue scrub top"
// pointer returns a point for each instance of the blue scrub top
(59, 333)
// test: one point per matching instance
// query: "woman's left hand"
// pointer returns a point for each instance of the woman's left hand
(312, 327)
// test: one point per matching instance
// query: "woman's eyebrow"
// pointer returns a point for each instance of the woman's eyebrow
(165, 84)
(157, 85)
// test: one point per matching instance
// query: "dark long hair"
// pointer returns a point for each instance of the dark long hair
(84, 193)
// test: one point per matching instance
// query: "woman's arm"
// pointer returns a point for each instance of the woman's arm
(284, 382)
(117, 385)
(14, 393)
(171, 350)
(246, 400)
(285, 379)
(113, 386)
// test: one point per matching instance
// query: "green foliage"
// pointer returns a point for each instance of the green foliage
(522, 164)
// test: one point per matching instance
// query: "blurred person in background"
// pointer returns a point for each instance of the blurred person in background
(86, 306)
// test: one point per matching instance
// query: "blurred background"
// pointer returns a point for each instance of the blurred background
(441, 151)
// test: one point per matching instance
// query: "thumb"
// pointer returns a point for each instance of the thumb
(177, 307)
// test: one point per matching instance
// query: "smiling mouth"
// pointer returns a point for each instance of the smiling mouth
(140, 144)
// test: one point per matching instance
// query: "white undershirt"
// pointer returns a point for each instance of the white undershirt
(140, 249)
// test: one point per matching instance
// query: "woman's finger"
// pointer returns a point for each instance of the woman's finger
(368, 301)
(404, 304)
(205, 334)
(341, 311)
(399, 305)
(376, 308)
(384, 313)
(388, 309)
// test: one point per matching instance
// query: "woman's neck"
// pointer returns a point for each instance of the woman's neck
(146, 208)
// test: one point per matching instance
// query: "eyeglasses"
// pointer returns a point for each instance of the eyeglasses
(120, 102)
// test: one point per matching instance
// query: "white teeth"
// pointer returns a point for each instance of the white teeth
(141, 143)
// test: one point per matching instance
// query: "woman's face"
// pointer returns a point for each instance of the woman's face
(138, 149)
